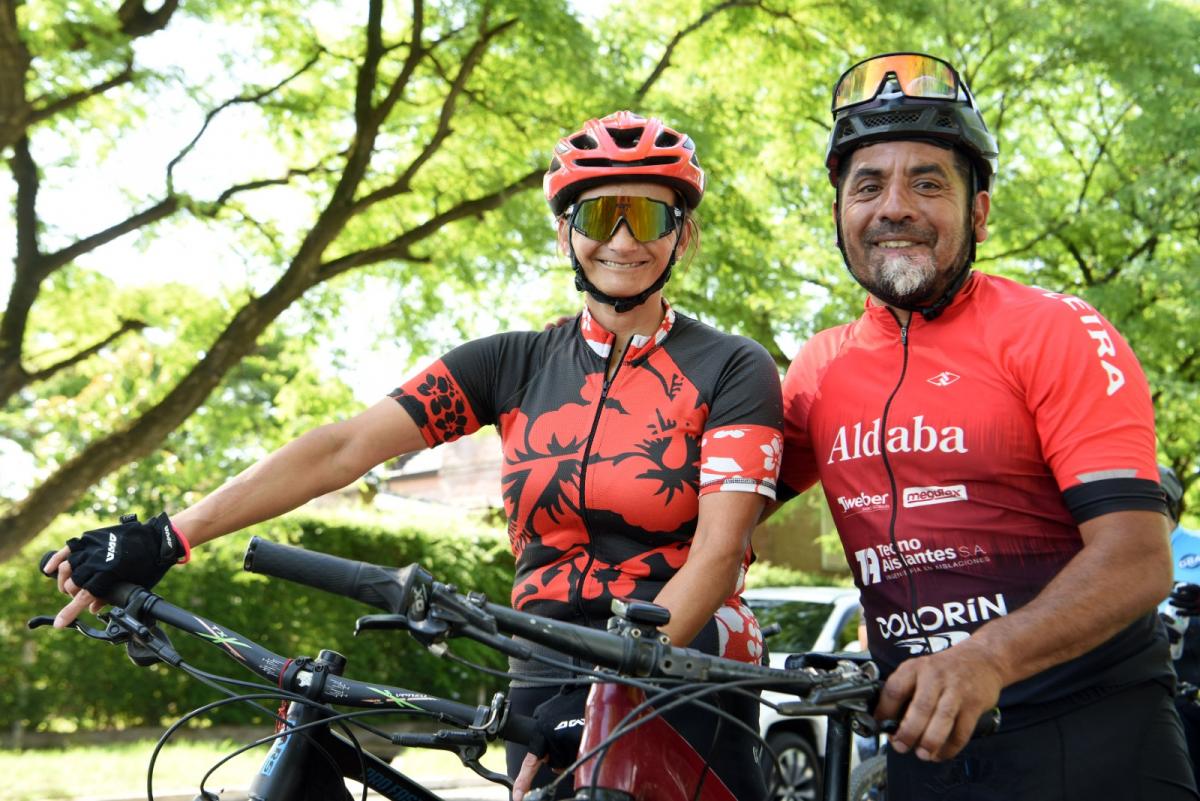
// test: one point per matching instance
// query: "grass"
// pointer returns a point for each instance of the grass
(119, 770)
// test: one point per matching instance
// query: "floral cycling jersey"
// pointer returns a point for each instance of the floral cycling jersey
(987, 434)
(601, 479)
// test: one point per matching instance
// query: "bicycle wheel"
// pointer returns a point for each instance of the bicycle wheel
(868, 781)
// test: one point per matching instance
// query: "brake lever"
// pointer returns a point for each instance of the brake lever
(380, 623)
(113, 635)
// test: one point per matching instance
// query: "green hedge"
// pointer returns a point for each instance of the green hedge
(65, 681)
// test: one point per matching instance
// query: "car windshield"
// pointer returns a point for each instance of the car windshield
(799, 622)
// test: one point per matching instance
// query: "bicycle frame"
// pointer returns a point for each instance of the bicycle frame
(294, 766)
(634, 764)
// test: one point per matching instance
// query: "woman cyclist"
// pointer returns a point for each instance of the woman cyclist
(639, 445)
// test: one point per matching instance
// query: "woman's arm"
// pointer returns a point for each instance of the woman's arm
(320, 461)
(710, 574)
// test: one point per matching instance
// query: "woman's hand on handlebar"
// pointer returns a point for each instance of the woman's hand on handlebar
(524, 780)
(945, 694)
(59, 568)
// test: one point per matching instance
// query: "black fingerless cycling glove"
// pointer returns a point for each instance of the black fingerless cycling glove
(134, 552)
(560, 721)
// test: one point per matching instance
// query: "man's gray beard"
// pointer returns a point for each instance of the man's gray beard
(907, 279)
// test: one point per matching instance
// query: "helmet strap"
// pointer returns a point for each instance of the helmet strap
(620, 304)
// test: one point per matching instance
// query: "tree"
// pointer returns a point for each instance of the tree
(406, 147)
(364, 120)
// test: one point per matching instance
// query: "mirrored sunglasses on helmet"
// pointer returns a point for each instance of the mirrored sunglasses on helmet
(917, 74)
(597, 218)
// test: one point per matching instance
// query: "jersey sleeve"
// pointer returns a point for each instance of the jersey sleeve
(1091, 405)
(801, 386)
(458, 394)
(742, 441)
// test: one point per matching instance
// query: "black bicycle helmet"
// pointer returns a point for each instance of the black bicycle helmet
(909, 96)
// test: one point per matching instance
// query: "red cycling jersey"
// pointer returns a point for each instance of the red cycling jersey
(1005, 422)
(602, 479)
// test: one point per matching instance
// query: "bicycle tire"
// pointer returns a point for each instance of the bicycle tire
(868, 780)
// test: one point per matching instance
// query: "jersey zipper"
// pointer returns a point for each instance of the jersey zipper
(887, 466)
(583, 509)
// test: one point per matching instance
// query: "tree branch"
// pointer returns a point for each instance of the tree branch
(234, 101)
(416, 51)
(665, 60)
(164, 208)
(399, 247)
(125, 327)
(61, 104)
(469, 63)
(28, 272)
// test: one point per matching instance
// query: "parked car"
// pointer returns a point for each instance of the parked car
(809, 619)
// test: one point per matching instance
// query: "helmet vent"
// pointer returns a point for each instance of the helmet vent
(892, 118)
(650, 161)
(626, 137)
(584, 142)
(666, 139)
(945, 122)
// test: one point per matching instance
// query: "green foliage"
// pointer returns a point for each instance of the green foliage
(53, 668)
(765, 574)
(1097, 192)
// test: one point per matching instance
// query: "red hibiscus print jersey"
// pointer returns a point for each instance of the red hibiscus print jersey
(602, 479)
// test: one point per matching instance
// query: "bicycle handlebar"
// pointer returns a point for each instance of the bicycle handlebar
(436, 610)
(432, 611)
(135, 610)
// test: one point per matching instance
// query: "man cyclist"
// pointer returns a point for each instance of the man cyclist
(987, 450)
(640, 447)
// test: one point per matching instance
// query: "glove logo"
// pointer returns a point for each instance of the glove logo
(112, 547)
(570, 723)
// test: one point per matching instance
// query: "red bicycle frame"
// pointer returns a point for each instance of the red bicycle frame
(650, 763)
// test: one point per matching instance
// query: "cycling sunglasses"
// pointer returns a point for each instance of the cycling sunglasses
(597, 218)
(917, 74)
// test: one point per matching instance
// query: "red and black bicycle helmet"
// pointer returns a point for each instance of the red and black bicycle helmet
(623, 145)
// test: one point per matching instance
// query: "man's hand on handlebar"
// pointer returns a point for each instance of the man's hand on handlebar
(941, 697)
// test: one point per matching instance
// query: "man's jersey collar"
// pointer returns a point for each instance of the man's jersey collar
(600, 339)
(878, 313)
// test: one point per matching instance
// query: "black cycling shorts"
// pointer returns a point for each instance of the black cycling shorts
(1125, 746)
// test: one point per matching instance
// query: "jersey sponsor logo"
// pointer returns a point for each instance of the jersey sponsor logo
(932, 643)
(928, 496)
(943, 379)
(909, 630)
(1094, 325)
(1190, 561)
(858, 504)
(883, 562)
(855, 442)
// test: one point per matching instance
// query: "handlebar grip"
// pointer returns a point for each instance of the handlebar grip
(369, 584)
(524, 730)
(988, 723)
